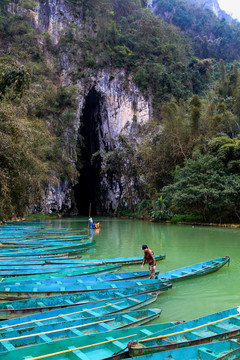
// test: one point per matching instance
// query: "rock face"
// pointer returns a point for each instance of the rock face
(119, 104)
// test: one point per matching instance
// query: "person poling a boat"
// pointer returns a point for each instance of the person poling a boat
(93, 225)
(150, 258)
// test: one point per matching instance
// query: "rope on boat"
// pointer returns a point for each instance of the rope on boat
(58, 316)
(79, 348)
(188, 330)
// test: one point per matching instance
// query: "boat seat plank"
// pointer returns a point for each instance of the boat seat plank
(89, 287)
(8, 346)
(79, 353)
(76, 332)
(113, 286)
(119, 277)
(79, 281)
(69, 302)
(174, 276)
(41, 304)
(44, 338)
(39, 323)
(117, 307)
(116, 343)
(92, 312)
(10, 307)
(105, 326)
(146, 332)
(128, 317)
(206, 354)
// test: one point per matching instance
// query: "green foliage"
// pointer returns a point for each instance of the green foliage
(211, 36)
(206, 186)
(14, 80)
(185, 218)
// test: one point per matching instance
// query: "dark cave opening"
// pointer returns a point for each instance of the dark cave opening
(87, 190)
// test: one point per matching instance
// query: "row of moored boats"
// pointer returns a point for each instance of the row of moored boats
(56, 304)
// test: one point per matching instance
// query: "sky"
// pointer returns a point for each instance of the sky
(231, 7)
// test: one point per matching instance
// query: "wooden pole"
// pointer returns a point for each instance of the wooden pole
(79, 348)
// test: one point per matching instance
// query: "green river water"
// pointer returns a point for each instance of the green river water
(183, 246)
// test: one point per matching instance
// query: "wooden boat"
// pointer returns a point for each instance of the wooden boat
(87, 309)
(34, 274)
(223, 350)
(215, 327)
(181, 274)
(15, 292)
(39, 253)
(70, 328)
(91, 350)
(123, 261)
(47, 249)
(196, 270)
(80, 279)
(17, 308)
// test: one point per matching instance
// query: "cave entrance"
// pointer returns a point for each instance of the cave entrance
(87, 190)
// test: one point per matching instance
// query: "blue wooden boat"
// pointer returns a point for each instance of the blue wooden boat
(17, 308)
(195, 270)
(219, 326)
(80, 279)
(41, 253)
(223, 350)
(70, 328)
(87, 309)
(181, 274)
(14, 292)
(91, 351)
(123, 261)
(34, 274)
(47, 249)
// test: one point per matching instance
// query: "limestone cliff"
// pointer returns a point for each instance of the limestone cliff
(118, 103)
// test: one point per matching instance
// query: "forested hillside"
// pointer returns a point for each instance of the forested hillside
(183, 58)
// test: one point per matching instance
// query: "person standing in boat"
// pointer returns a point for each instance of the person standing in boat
(150, 258)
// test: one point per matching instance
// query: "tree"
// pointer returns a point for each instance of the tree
(14, 80)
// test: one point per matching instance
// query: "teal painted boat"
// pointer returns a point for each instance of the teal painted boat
(81, 279)
(70, 328)
(47, 249)
(18, 308)
(181, 274)
(224, 350)
(14, 292)
(90, 351)
(123, 261)
(87, 309)
(38, 253)
(13, 275)
(219, 326)
(195, 270)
